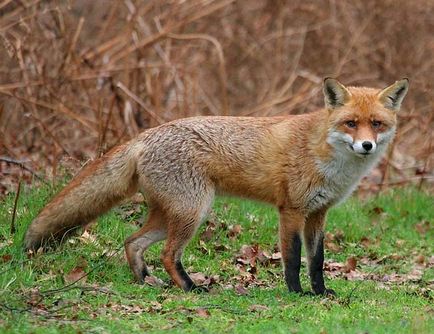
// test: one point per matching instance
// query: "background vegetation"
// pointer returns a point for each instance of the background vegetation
(78, 77)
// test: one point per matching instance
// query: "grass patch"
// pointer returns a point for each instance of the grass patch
(390, 237)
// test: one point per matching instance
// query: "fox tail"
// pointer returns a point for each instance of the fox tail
(97, 188)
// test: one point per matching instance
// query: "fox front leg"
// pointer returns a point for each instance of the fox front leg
(314, 241)
(291, 226)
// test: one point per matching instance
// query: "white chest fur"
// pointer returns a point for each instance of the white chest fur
(341, 175)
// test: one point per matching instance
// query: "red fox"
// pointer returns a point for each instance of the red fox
(301, 164)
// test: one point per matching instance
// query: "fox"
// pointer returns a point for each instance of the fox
(301, 164)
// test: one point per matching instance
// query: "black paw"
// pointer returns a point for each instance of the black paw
(330, 292)
(307, 293)
(199, 289)
(326, 292)
(141, 276)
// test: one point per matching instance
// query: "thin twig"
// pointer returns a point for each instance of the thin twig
(14, 212)
(136, 99)
(21, 164)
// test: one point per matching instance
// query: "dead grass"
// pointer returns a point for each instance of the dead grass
(78, 77)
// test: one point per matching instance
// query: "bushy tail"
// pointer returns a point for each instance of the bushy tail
(97, 188)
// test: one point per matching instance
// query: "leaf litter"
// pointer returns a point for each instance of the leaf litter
(247, 262)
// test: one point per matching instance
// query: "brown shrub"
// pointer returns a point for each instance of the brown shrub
(77, 77)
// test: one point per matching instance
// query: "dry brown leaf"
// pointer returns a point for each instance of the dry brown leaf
(423, 227)
(87, 238)
(365, 242)
(420, 259)
(209, 231)
(415, 275)
(203, 313)
(198, 278)
(248, 255)
(339, 236)
(355, 275)
(234, 230)
(399, 243)
(35, 297)
(350, 265)
(155, 307)
(241, 290)
(258, 308)
(76, 274)
(203, 247)
(6, 258)
(154, 281)
(396, 257)
(332, 247)
(221, 248)
(329, 237)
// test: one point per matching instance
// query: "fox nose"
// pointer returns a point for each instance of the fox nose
(367, 145)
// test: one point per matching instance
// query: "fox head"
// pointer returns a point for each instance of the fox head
(362, 121)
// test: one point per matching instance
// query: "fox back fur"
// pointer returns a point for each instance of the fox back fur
(300, 164)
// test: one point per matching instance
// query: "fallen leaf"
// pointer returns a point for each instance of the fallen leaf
(221, 248)
(423, 227)
(350, 265)
(339, 236)
(154, 281)
(329, 236)
(365, 242)
(248, 255)
(377, 210)
(234, 230)
(396, 257)
(258, 308)
(76, 274)
(6, 258)
(240, 290)
(198, 278)
(202, 247)
(332, 247)
(355, 275)
(420, 259)
(277, 256)
(87, 238)
(209, 231)
(35, 297)
(415, 275)
(400, 242)
(155, 307)
(203, 313)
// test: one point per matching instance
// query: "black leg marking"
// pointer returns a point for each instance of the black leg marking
(145, 273)
(316, 265)
(188, 284)
(292, 265)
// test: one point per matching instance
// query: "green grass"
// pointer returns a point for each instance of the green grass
(109, 300)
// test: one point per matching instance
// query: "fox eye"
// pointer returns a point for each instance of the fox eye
(350, 124)
(376, 124)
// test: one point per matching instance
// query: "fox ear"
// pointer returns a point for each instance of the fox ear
(335, 94)
(391, 97)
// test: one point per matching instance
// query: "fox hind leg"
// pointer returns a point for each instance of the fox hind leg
(153, 230)
(181, 228)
